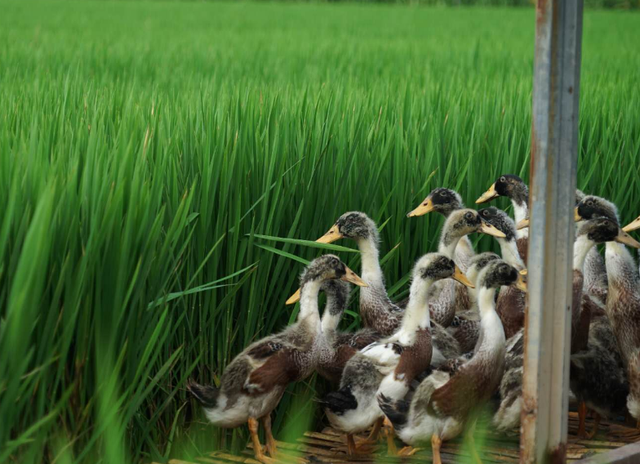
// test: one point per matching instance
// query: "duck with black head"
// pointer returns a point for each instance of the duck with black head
(390, 365)
(450, 297)
(511, 301)
(623, 298)
(445, 403)
(597, 376)
(514, 188)
(253, 383)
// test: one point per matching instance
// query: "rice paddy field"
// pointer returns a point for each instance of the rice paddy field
(150, 152)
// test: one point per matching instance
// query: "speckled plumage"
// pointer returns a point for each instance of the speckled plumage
(335, 348)
(390, 365)
(253, 383)
(511, 301)
(444, 402)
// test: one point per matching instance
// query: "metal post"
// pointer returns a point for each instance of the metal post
(551, 233)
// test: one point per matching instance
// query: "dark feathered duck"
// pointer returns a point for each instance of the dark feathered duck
(623, 298)
(597, 376)
(390, 365)
(514, 188)
(450, 297)
(337, 347)
(253, 383)
(511, 301)
(444, 403)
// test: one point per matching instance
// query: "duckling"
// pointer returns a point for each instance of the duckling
(391, 364)
(450, 297)
(514, 188)
(445, 201)
(511, 301)
(377, 310)
(465, 327)
(253, 383)
(336, 348)
(443, 404)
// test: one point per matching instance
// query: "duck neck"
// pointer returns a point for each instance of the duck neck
(309, 314)
(417, 314)
(490, 324)
(331, 317)
(520, 212)
(581, 248)
(509, 250)
(370, 257)
(621, 268)
(448, 243)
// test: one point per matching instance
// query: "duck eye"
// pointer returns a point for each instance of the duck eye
(468, 216)
(485, 213)
(590, 203)
(503, 179)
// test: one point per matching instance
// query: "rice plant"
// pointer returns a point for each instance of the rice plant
(151, 151)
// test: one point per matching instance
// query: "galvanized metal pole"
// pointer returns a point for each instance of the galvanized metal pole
(551, 234)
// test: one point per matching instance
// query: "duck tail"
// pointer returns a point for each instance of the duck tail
(396, 411)
(340, 401)
(206, 395)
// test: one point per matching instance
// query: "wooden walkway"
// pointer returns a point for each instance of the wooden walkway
(329, 447)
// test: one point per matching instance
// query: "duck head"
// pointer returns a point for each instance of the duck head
(354, 225)
(603, 229)
(324, 268)
(498, 273)
(507, 185)
(441, 200)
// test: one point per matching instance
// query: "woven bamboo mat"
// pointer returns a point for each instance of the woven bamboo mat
(329, 447)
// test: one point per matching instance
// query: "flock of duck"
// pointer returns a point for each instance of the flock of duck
(422, 369)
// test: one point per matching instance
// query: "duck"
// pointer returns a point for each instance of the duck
(451, 297)
(514, 188)
(444, 403)
(336, 347)
(391, 364)
(597, 377)
(511, 301)
(623, 296)
(583, 308)
(465, 327)
(445, 201)
(377, 311)
(253, 383)
(595, 271)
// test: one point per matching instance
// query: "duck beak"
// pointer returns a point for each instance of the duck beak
(488, 229)
(576, 215)
(626, 239)
(460, 277)
(520, 284)
(488, 195)
(523, 224)
(523, 272)
(425, 207)
(293, 298)
(352, 277)
(331, 236)
(633, 225)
